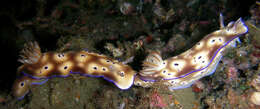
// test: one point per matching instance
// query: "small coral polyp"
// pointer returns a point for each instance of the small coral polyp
(176, 72)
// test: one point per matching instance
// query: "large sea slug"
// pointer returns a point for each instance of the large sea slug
(201, 60)
(39, 67)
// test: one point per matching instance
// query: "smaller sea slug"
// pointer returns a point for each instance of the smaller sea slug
(201, 60)
(39, 67)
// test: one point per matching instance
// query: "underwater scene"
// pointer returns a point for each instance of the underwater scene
(130, 54)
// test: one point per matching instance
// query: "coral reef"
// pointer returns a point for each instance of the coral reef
(128, 30)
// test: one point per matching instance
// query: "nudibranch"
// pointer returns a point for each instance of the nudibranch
(201, 60)
(39, 67)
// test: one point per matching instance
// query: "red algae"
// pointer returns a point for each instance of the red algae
(232, 73)
(157, 101)
(198, 86)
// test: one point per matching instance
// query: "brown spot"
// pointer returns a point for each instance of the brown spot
(111, 77)
(78, 69)
(187, 69)
(212, 51)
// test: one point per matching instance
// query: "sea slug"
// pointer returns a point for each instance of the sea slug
(39, 67)
(201, 60)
